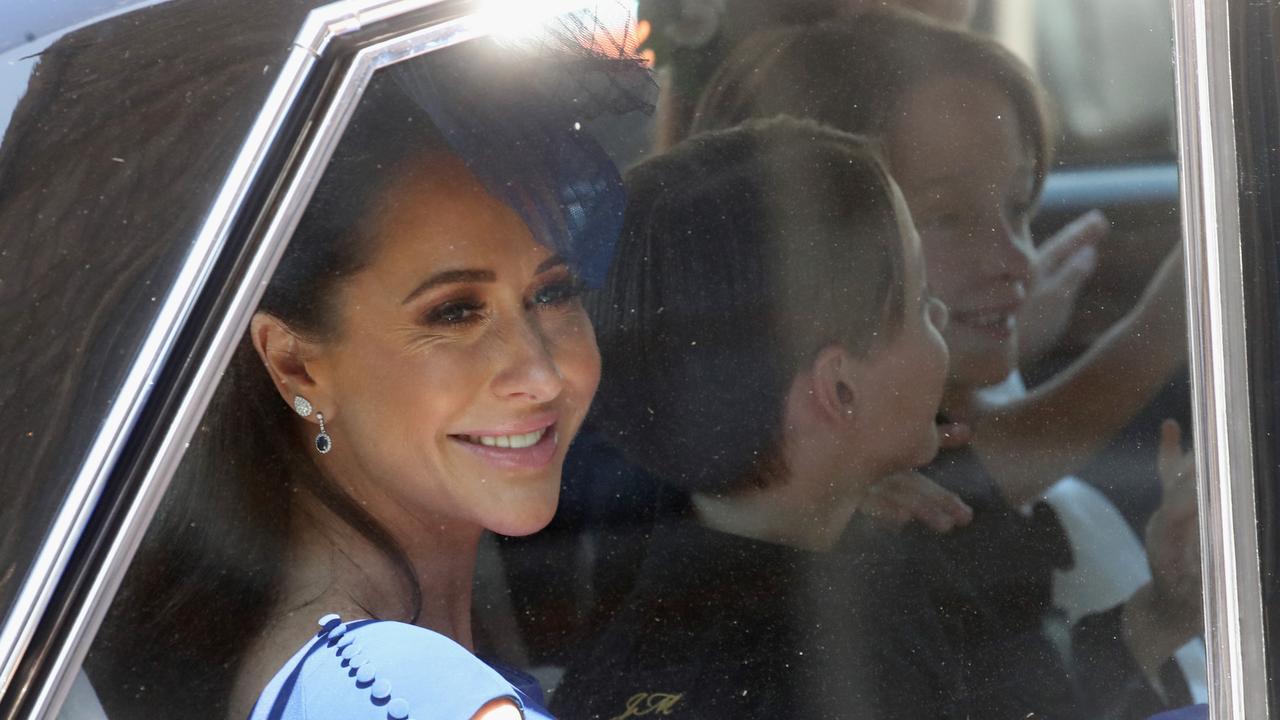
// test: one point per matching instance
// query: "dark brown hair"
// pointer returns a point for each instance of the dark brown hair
(206, 577)
(743, 253)
(852, 73)
(123, 138)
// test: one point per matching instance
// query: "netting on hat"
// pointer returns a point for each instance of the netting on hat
(516, 110)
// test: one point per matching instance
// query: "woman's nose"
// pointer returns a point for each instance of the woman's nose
(528, 369)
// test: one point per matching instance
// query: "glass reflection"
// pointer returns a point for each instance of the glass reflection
(843, 460)
(986, 530)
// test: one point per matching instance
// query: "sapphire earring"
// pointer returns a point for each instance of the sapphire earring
(324, 443)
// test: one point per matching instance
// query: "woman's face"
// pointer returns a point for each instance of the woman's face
(958, 154)
(903, 380)
(464, 364)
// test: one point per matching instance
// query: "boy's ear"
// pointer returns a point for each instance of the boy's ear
(835, 375)
(286, 356)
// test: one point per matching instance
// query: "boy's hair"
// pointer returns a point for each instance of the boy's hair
(743, 253)
(852, 73)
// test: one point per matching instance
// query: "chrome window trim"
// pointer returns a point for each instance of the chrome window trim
(1219, 372)
(33, 597)
(322, 25)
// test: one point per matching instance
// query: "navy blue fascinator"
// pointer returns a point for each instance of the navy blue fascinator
(517, 111)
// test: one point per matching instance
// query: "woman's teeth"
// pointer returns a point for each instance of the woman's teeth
(507, 441)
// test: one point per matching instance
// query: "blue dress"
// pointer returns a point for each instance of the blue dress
(383, 670)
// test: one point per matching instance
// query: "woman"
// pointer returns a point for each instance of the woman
(772, 349)
(964, 130)
(418, 364)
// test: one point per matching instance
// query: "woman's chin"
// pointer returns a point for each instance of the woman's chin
(526, 515)
(519, 528)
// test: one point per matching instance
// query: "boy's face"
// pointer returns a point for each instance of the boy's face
(968, 177)
(904, 379)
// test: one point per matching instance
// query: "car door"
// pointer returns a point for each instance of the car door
(134, 301)
(129, 267)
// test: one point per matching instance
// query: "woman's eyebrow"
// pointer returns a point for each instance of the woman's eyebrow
(447, 277)
(545, 265)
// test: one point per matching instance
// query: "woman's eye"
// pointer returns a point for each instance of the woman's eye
(557, 293)
(455, 312)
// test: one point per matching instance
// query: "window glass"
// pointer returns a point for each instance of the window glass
(704, 362)
(1106, 70)
(1107, 66)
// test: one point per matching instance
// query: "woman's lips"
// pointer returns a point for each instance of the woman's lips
(526, 450)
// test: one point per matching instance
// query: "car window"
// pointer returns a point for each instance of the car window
(1107, 65)
(1106, 71)
(720, 359)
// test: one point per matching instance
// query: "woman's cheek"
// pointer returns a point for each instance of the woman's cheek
(576, 353)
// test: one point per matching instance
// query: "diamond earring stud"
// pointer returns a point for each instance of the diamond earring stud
(302, 406)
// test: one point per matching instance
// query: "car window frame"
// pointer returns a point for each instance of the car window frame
(340, 45)
(1223, 427)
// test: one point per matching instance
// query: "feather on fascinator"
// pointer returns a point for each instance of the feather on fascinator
(516, 111)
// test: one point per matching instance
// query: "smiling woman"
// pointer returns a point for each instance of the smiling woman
(454, 396)
(413, 376)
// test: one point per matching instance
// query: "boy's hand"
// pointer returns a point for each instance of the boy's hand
(1060, 268)
(1173, 534)
(900, 498)
(1167, 612)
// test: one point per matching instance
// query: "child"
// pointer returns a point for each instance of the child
(965, 132)
(770, 349)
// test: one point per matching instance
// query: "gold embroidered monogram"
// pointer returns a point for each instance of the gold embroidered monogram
(642, 704)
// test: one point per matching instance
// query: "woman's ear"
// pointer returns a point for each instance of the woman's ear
(285, 355)
(834, 375)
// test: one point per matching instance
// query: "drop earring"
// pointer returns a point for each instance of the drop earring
(324, 443)
(302, 406)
